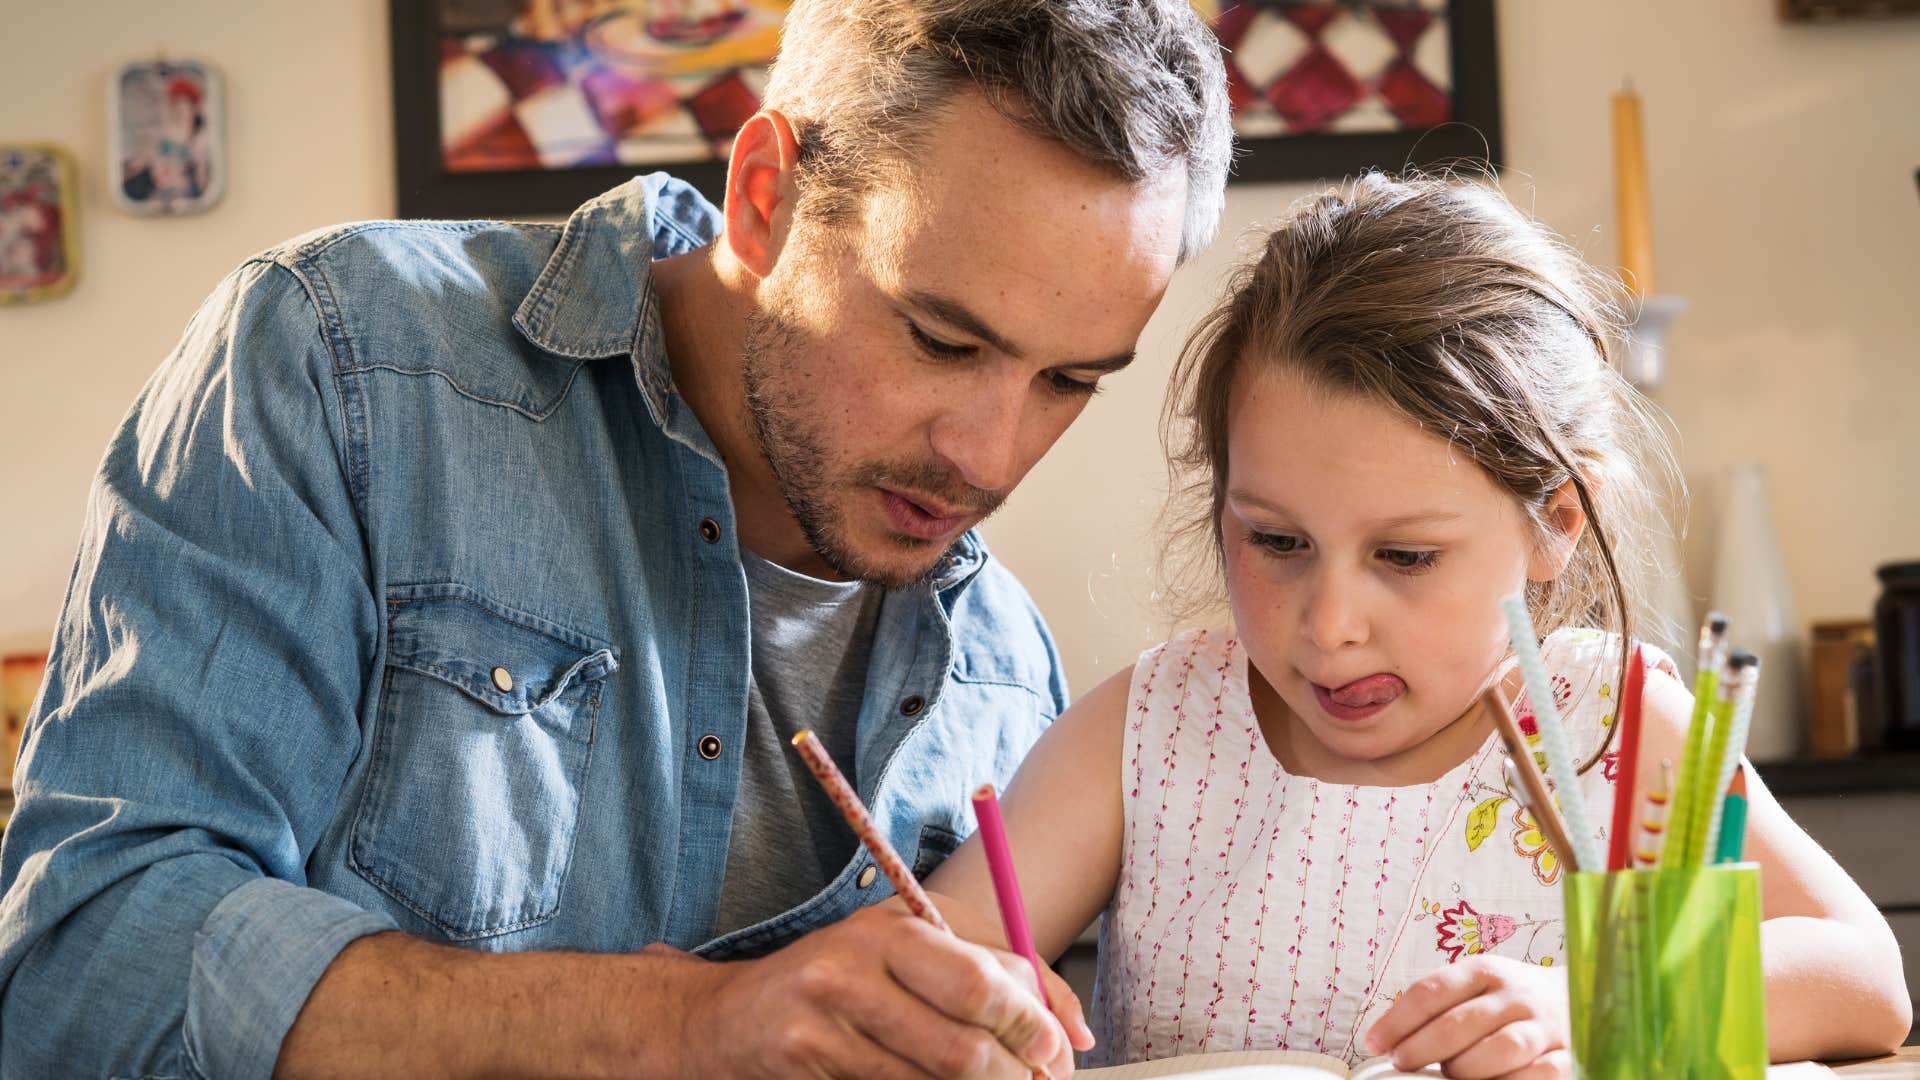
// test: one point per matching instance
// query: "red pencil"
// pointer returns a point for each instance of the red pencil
(1620, 841)
(1006, 886)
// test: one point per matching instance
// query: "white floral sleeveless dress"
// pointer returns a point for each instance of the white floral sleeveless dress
(1258, 910)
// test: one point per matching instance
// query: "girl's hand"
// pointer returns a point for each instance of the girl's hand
(1486, 1016)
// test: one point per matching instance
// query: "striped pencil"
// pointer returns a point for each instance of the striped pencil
(1653, 819)
(855, 811)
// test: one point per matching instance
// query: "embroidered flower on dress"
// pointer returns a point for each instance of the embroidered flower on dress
(1465, 932)
(1523, 708)
(1530, 843)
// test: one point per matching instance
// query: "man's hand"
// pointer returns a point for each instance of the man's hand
(1485, 1016)
(880, 994)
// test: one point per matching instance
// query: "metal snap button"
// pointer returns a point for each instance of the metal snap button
(709, 746)
(710, 530)
(913, 705)
(867, 876)
(503, 680)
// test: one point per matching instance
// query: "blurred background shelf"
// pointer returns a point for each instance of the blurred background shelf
(1883, 771)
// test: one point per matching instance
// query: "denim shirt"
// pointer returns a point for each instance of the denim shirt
(408, 597)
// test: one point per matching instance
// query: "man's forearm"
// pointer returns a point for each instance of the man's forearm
(393, 1004)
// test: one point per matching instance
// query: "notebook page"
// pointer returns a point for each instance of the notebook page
(1234, 1065)
(1382, 1069)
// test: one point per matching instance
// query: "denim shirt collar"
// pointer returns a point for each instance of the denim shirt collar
(595, 298)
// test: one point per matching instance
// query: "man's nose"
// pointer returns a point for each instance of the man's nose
(979, 434)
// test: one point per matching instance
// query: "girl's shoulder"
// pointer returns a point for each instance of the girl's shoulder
(1584, 667)
(1205, 646)
(1581, 654)
(1197, 667)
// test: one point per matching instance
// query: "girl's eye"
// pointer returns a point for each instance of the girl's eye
(1275, 543)
(934, 347)
(1412, 562)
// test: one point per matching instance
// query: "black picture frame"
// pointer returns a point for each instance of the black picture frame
(424, 190)
(1471, 140)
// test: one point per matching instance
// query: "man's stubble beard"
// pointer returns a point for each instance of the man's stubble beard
(804, 471)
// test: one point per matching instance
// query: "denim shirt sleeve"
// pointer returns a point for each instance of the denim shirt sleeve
(199, 719)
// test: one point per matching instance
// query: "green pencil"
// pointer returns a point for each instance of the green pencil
(1733, 820)
(1687, 796)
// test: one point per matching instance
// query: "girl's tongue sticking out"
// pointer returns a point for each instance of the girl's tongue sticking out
(1360, 698)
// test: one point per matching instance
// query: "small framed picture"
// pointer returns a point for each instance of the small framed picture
(38, 254)
(169, 137)
(20, 678)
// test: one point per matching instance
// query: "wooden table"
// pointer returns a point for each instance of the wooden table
(1903, 1063)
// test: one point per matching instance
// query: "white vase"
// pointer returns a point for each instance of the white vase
(1750, 586)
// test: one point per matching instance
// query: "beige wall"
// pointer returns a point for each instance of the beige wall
(310, 140)
(1784, 203)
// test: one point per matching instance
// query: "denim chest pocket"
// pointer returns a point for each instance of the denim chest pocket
(485, 729)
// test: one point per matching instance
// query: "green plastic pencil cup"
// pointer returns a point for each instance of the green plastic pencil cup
(1663, 973)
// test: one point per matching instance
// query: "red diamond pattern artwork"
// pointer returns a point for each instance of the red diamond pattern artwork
(536, 86)
(1298, 68)
(530, 85)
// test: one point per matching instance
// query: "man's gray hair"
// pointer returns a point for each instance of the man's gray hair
(1136, 86)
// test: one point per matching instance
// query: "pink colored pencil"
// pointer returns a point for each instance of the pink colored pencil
(1619, 844)
(844, 797)
(1006, 885)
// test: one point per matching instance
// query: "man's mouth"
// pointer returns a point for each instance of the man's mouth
(919, 517)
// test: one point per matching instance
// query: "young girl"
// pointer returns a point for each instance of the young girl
(1298, 826)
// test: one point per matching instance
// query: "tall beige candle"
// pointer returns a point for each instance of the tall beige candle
(1630, 191)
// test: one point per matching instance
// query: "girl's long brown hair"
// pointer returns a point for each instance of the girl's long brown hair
(1435, 297)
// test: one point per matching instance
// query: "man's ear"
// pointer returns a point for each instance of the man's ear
(761, 191)
(1566, 521)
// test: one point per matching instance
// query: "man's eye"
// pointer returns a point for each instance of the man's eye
(934, 347)
(1067, 385)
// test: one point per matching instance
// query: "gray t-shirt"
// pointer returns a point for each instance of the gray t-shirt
(811, 643)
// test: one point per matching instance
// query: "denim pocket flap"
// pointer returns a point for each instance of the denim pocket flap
(509, 661)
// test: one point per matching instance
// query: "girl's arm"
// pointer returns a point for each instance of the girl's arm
(1835, 988)
(1063, 814)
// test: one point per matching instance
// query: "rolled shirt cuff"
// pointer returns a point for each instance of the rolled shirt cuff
(255, 961)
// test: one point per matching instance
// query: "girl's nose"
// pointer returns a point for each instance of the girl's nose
(1335, 616)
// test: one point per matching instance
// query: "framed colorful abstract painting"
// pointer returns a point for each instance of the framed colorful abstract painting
(169, 137)
(535, 106)
(1324, 90)
(39, 256)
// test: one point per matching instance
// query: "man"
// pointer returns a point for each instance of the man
(446, 603)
